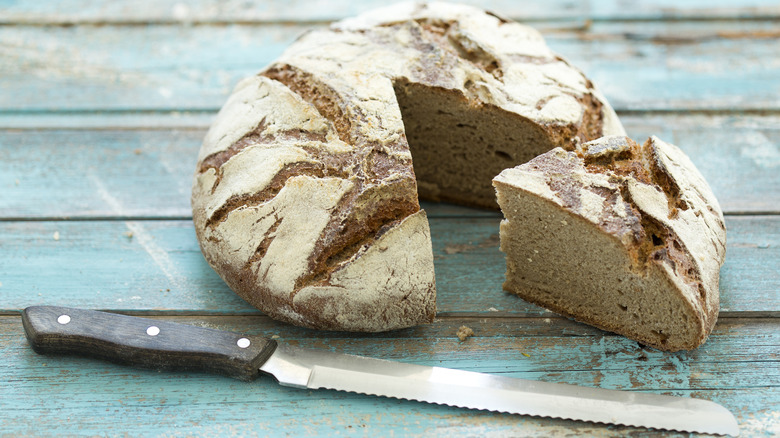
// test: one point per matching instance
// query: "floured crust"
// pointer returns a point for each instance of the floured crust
(307, 169)
(287, 216)
(658, 210)
(487, 59)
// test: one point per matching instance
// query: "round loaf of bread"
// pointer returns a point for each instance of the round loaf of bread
(624, 237)
(305, 197)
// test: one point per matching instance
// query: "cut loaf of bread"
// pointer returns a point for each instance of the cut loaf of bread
(305, 199)
(624, 237)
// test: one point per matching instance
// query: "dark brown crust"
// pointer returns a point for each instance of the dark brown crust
(663, 180)
(355, 222)
(590, 127)
(369, 168)
(356, 227)
(243, 281)
(255, 137)
(665, 246)
(313, 169)
(656, 242)
(316, 93)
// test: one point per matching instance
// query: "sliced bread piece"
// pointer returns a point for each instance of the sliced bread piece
(624, 237)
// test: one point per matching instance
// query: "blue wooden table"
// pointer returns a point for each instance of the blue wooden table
(103, 106)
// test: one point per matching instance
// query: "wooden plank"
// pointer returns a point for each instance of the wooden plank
(675, 10)
(100, 123)
(110, 173)
(47, 395)
(680, 65)
(120, 264)
(738, 155)
(98, 173)
(639, 65)
(209, 11)
(106, 120)
(157, 265)
(104, 171)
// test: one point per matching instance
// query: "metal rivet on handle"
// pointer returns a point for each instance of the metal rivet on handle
(63, 319)
(153, 331)
(243, 343)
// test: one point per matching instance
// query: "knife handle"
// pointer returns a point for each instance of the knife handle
(144, 342)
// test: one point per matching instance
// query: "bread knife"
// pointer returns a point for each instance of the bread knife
(164, 345)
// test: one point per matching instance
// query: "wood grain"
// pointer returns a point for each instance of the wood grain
(103, 106)
(156, 266)
(99, 397)
(259, 11)
(77, 176)
(638, 65)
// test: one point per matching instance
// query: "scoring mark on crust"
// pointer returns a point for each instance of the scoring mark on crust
(257, 136)
(262, 248)
(312, 169)
(311, 90)
(359, 219)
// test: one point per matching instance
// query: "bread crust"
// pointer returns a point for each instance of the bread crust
(307, 173)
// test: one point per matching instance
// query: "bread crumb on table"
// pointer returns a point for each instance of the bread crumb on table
(464, 332)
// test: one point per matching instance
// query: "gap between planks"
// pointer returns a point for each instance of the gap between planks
(441, 317)
(196, 119)
(559, 23)
(480, 215)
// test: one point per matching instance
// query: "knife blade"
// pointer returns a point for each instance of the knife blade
(165, 345)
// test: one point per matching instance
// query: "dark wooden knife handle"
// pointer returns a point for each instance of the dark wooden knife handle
(144, 342)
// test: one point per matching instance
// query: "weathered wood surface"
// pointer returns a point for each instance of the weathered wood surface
(707, 65)
(77, 175)
(103, 106)
(259, 11)
(40, 391)
(155, 265)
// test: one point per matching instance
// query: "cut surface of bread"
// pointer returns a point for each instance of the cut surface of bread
(624, 237)
(305, 198)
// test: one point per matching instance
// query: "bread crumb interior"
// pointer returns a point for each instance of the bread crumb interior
(564, 263)
(458, 146)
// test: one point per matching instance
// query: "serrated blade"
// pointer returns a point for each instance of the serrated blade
(314, 369)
